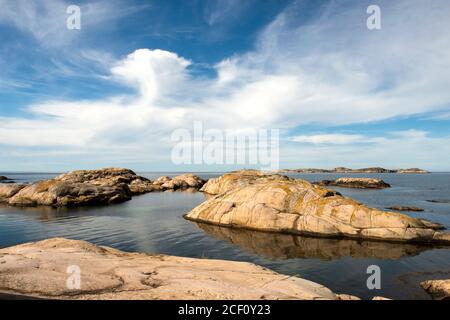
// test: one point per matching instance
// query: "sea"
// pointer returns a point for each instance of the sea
(154, 223)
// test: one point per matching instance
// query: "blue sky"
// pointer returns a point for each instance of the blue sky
(112, 93)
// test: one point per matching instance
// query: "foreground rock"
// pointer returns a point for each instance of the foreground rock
(359, 183)
(293, 206)
(40, 269)
(287, 246)
(439, 289)
(90, 187)
(405, 208)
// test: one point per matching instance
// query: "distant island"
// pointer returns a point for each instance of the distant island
(348, 170)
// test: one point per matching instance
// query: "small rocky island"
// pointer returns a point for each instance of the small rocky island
(4, 179)
(92, 187)
(348, 170)
(276, 203)
(405, 208)
(358, 183)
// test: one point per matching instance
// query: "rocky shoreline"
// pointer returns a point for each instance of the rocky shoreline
(92, 187)
(348, 170)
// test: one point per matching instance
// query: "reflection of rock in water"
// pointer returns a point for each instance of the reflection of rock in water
(284, 246)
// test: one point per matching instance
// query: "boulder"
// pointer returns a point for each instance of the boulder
(162, 180)
(181, 182)
(59, 193)
(359, 183)
(438, 289)
(298, 207)
(43, 269)
(8, 190)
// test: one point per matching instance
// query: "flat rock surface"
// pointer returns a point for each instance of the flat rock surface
(40, 269)
(268, 203)
(439, 289)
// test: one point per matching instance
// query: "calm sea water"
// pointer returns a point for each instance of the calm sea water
(154, 223)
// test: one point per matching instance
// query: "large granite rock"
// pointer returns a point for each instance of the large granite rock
(89, 187)
(295, 206)
(359, 183)
(40, 269)
(438, 289)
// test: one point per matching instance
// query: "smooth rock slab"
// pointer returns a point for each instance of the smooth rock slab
(40, 269)
(296, 206)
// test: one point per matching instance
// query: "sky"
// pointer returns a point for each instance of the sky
(113, 92)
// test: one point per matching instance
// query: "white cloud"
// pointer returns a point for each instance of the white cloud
(336, 138)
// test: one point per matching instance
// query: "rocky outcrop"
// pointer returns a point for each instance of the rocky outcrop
(90, 187)
(298, 207)
(405, 208)
(438, 289)
(59, 193)
(286, 246)
(359, 183)
(46, 269)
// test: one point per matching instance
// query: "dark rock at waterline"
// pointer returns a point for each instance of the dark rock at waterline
(439, 201)
(405, 208)
(4, 179)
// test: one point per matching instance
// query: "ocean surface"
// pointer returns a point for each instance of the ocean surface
(153, 223)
